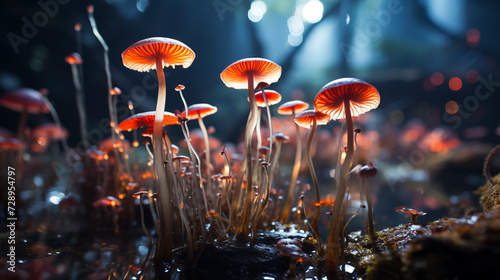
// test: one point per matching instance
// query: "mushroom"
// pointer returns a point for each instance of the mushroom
(139, 195)
(240, 75)
(292, 248)
(292, 108)
(26, 101)
(343, 98)
(199, 111)
(144, 55)
(266, 98)
(146, 119)
(113, 202)
(366, 172)
(310, 119)
(45, 133)
(11, 144)
(414, 214)
(74, 59)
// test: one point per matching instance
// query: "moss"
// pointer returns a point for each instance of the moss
(490, 194)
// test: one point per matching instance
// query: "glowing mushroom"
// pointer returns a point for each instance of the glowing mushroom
(199, 111)
(343, 98)
(292, 108)
(240, 75)
(146, 119)
(310, 119)
(144, 55)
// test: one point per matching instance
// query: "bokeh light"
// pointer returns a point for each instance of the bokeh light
(472, 76)
(294, 40)
(473, 35)
(455, 83)
(451, 107)
(257, 10)
(313, 11)
(437, 79)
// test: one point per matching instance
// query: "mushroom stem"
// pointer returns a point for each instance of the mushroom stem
(21, 125)
(207, 150)
(333, 240)
(80, 104)
(295, 173)
(150, 240)
(164, 247)
(55, 116)
(242, 232)
(314, 223)
(274, 163)
(270, 123)
(369, 206)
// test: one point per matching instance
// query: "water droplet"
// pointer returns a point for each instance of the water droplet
(347, 19)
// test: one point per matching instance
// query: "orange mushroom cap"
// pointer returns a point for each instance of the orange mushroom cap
(74, 58)
(306, 118)
(139, 194)
(149, 132)
(146, 119)
(290, 107)
(50, 131)
(109, 145)
(263, 70)
(273, 97)
(107, 201)
(199, 110)
(141, 56)
(10, 144)
(362, 97)
(22, 98)
(115, 91)
(179, 87)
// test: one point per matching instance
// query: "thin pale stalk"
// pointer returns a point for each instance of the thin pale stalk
(57, 121)
(270, 123)
(274, 163)
(295, 173)
(369, 206)
(333, 245)
(21, 125)
(163, 251)
(314, 223)
(207, 151)
(242, 232)
(80, 104)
